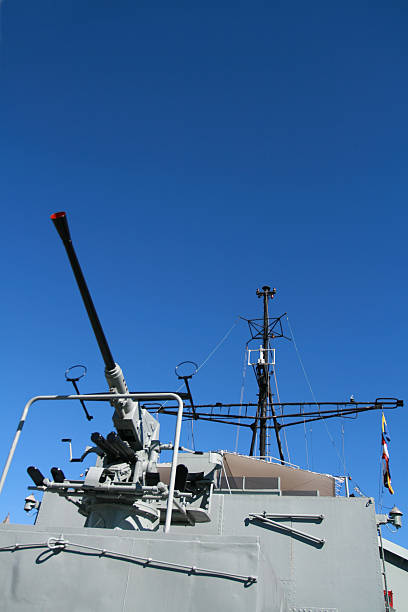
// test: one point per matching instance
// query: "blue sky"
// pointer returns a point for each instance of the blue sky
(201, 151)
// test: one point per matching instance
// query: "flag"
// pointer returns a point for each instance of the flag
(385, 429)
(385, 437)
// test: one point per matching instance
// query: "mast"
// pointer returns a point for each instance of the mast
(263, 379)
(263, 371)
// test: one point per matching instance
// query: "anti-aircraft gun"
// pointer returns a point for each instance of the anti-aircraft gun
(136, 440)
(124, 488)
(135, 426)
(127, 458)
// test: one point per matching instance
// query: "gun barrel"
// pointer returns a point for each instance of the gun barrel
(104, 445)
(61, 224)
(124, 451)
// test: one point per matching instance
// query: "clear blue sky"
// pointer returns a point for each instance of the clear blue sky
(202, 150)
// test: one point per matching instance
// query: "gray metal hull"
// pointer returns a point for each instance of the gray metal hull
(292, 572)
(77, 579)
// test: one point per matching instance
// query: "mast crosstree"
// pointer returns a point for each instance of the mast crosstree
(261, 417)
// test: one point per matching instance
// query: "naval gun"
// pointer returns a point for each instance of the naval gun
(124, 489)
(134, 424)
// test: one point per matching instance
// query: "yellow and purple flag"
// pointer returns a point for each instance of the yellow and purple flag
(385, 455)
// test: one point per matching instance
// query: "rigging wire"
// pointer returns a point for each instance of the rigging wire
(311, 445)
(342, 450)
(268, 403)
(210, 354)
(306, 445)
(192, 435)
(219, 344)
(380, 487)
(281, 408)
(241, 398)
(310, 387)
(314, 397)
(380, 477)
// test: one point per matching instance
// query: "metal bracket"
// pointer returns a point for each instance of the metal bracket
(266, 356)
(265, 518)
(88, 450)
(60, 544)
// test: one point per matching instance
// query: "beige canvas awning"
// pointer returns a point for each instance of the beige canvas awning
(291, 479)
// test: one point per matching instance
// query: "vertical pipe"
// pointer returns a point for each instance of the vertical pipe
(170, 499)
(387, 599)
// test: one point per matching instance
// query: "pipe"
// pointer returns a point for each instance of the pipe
(169, 509)
(384, 573)
(302, 534)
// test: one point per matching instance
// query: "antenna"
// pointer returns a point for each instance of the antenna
(73, 374)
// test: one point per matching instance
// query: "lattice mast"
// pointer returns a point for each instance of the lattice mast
(261, 416)
(263, 373)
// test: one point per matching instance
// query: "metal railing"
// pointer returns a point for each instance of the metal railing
(108, 397)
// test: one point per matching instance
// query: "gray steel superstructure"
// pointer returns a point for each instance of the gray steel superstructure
(207, 531)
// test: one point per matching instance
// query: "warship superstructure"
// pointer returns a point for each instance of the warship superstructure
(206, 531)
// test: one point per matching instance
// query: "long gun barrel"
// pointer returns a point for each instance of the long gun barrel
(61, 225)
(128, 416)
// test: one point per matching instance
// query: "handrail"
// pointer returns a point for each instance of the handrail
(109, 397)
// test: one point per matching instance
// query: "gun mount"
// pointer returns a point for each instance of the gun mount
(124, 488)
(134, 424)
(126, 459)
